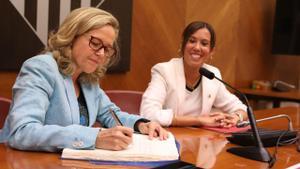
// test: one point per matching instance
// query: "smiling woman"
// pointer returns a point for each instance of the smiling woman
(177, 94)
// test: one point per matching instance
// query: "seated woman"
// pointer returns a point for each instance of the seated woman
(179, 96)
(57, 98)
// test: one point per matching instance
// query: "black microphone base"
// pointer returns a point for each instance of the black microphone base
(251, 152)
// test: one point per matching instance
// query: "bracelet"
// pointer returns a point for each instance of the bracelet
(240, 115)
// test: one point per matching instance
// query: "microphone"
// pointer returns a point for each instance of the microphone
(257, 152)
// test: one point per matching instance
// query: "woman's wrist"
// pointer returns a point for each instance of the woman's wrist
(202, 121)
(239, 115)
(186, 121)
(138, 123)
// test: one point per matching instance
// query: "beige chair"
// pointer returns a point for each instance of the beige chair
(128, 100)
(4, 108)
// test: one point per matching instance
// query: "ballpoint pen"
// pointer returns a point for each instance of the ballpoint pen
(117, 120)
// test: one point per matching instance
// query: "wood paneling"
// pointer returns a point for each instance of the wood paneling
(7, 80)
(254, 37)
(156, 33)
(243, 27)
(287, 68)
(224, 17)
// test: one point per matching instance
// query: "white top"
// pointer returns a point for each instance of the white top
(193, 103)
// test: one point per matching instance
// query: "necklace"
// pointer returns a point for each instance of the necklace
(194, 86)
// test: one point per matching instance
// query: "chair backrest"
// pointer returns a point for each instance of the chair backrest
(128, 100)
(4, 108)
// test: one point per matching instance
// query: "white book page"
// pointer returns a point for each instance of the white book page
(141, 149)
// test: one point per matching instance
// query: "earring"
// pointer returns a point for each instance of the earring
(211, 57)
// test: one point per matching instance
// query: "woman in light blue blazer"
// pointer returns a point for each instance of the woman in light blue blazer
(57, 98)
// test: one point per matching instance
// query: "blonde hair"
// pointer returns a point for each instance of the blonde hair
(78, 22)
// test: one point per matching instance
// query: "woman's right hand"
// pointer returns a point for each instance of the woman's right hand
(213, 120)
(117, 138)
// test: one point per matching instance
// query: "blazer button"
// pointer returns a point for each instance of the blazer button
(77, 144)
(80, 143)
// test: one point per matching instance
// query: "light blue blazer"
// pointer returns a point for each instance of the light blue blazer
(44, 115)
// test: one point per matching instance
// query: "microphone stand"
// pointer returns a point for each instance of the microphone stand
(258, 152)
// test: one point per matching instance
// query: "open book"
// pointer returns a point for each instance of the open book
(141, 149)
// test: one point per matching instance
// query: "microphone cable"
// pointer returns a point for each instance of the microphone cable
(279, 143)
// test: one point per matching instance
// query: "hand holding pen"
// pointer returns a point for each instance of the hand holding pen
(119, 137)
(116, 138)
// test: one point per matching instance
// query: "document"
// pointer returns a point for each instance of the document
(141, 149)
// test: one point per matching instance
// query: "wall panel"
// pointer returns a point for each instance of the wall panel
(7, 80)
(254, 35)
(244, 29)
(156, 33)
(224, 17)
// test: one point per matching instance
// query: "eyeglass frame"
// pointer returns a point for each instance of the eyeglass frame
(101, 46)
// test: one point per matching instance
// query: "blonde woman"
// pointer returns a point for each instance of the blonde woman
(57, 98)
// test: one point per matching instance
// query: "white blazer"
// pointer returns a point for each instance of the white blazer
(164, 96)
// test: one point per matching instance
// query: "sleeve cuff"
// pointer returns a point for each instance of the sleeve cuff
(139, 121)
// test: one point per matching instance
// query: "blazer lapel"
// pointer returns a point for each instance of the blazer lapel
(180, 82)
(72, 100)
(91, 102)
(207, 91)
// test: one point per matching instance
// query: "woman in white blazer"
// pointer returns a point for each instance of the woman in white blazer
(179, 96)
(57, 98)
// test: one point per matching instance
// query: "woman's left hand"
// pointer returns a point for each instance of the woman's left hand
(224, 119)
(153, 129)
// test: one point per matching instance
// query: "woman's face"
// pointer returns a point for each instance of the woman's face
(91, 49)
(197, 49)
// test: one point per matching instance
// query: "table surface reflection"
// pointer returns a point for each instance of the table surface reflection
(204, 148)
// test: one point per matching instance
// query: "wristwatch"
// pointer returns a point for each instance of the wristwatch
(240, 115)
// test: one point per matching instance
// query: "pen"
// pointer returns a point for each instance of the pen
(117, 120)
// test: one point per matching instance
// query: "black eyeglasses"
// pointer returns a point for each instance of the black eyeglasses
(96, 44)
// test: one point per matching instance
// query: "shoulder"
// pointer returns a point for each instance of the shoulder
(41, 61)
(168, 66)
(40, 67)
(213, 69)
(44, 64)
